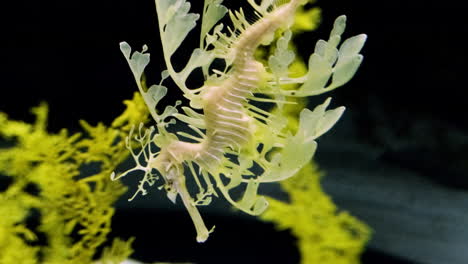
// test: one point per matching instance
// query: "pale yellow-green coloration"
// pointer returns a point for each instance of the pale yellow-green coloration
(69, 199)
(324, 234)
(231, 136)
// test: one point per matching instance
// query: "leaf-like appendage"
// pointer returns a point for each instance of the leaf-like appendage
(280, 61)
(349, 60)
(296, 153)
(198, 58)
(175, 22)
(251, 202)
(316, 123)
(154, 94)
(300, 148)
(138, 62)
(328, 61)
(213, 11)
(339, 26)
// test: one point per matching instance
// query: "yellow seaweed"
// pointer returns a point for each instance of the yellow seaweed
(73, 207)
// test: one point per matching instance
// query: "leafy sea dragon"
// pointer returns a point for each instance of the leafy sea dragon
(231, 136)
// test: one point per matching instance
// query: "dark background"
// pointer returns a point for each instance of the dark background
(406, 101)
(68, 54)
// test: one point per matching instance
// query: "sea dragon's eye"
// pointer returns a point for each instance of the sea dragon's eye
(235, 143)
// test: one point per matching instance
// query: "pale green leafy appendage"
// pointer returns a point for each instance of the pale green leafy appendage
(138, 62)
(326, 62)
(213, 11)
(175, 23)
(280, 61)
(300, 148)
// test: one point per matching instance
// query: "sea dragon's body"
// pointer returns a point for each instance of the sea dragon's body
(228, 124)
(232, 125)
(226, 118)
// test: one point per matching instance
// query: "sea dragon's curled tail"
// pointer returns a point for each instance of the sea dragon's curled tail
(234, 142)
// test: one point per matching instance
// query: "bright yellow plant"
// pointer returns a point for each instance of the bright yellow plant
(68, 200)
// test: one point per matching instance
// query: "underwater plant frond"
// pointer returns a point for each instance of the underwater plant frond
(118, 252)
(15, 237)
(73, 194)
(135, 111)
